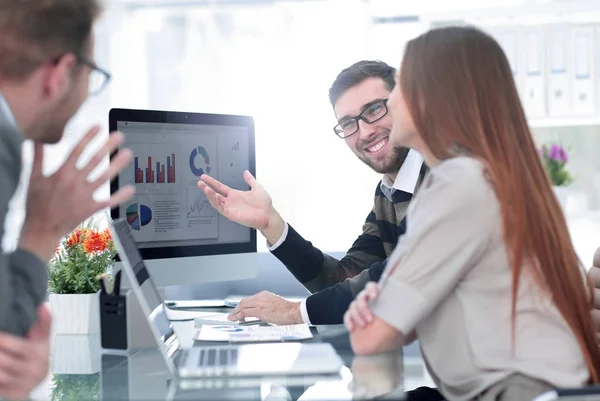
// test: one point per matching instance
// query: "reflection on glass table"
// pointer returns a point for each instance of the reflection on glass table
(376, 375)
(75, 368)
(81, 371)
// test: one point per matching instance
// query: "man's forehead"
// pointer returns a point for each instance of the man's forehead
(352, 101)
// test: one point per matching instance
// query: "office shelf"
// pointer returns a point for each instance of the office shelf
(549, 122)
(510, 11)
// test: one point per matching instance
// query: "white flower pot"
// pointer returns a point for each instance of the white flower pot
(75, 313)
(562, 193)
(76, 354)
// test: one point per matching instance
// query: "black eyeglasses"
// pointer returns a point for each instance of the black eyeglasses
(99, 77)
(375, 112)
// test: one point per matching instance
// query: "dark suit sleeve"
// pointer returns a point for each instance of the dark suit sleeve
(23, 276)
(328, 306)
(317, 270)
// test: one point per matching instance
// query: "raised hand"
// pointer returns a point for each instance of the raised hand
(249, 208)
(56, 204)
(253, 208)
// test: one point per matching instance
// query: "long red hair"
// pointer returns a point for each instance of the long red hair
(460, 92)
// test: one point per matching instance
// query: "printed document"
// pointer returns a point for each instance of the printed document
(235, 333)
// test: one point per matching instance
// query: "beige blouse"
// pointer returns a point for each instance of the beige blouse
(449, 279)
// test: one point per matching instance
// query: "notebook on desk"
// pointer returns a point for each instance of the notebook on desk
(288, 358)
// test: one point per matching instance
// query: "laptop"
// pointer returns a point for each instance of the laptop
(283, 358)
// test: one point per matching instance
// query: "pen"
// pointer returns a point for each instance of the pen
(102, 281)
(117, 283)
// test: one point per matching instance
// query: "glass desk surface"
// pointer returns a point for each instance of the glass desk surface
(81, 371)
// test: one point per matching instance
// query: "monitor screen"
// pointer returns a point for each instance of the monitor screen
(169, 215)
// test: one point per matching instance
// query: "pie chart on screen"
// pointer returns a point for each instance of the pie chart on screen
(138, 215)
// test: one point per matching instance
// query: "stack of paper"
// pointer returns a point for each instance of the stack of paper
(237, 333)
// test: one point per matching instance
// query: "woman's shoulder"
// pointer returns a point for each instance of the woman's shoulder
(460, 179)
(459, 172)
(459, 167)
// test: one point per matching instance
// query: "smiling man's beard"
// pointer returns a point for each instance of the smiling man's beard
(390, 165)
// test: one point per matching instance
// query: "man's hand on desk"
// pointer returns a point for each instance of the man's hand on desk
(269, 308)
(24, 361)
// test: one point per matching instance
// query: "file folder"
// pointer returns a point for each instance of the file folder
(597, 67)
(534, 84)
(583, 91)
(509, 38)
(558, 83)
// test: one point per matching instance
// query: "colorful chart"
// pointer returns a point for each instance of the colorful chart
(138, 218)
(201, 153)
(157, 175)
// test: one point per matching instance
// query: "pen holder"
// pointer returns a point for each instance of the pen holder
(123, 326)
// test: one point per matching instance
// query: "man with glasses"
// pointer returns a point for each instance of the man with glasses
(45, 76)
(358, 96)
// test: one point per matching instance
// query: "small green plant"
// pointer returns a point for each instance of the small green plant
(555, 159)
(76, 387)
(80, 257)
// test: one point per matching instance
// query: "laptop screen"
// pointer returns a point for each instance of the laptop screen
(150, 293)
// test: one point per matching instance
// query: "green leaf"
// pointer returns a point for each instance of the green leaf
(73, 271)
(76, 387)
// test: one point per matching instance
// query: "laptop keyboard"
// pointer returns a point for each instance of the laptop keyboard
(217, 357)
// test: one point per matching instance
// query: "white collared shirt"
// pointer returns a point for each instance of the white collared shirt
(406, 181)
(407, 177)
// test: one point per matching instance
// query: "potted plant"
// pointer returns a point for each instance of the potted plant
(555, 159)
(79, 258)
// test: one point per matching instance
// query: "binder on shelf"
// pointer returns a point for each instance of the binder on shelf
(558, 67)
(583, 91)
(508, 38)
(534, 82)
(597, 69)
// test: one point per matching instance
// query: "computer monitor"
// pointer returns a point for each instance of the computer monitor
(182, 238)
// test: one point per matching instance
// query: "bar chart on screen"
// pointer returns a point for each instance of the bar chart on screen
(154, 168)
(158, 175)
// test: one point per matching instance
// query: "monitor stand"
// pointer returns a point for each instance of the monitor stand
(199, 269)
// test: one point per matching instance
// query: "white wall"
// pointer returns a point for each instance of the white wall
(273, 62)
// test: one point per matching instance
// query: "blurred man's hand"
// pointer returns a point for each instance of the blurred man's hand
(24, 362)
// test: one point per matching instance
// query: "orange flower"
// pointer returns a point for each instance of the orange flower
(106, 234)
(95, 241)
(77, 237)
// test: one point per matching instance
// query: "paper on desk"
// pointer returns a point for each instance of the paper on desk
(253, 333)
(186, 314)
